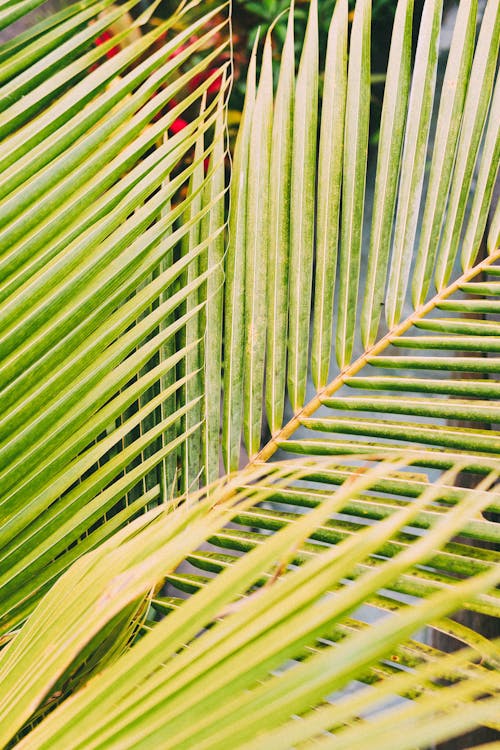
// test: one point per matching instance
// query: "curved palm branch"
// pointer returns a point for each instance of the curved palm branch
(205, 676)
(94, 292)
(317, 214)
(112, 252)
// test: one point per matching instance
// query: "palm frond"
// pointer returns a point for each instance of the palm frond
(209, 674)
(303, 172)
(467, 117)
(235, 272)
(257, 236)
(283, 604)
(12, 11)
(279, 239)
(93, 378)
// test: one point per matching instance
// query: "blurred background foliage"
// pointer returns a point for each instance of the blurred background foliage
(250, 16)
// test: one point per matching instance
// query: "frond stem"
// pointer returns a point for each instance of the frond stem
(350, 370)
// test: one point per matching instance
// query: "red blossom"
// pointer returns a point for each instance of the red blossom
(105, 37)
(177, 125)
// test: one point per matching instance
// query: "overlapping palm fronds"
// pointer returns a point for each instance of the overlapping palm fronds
(280, 606)
(326, 211)
(204, 676)
(96, 299)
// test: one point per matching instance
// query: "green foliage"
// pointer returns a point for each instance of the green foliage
(266, 13)
(147, 601)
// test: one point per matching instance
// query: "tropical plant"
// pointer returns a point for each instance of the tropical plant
(148, 601)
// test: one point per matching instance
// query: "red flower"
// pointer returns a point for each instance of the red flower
(105, 37)
(177, 125)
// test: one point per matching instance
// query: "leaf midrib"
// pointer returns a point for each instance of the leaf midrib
(352, 369)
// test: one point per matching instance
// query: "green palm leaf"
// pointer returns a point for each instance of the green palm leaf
(399, 194)
(258, 236)
(139, 610)
(201, 697)
(92, 378)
